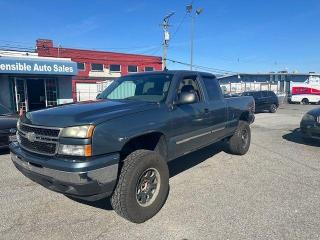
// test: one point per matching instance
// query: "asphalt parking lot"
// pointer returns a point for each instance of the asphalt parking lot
(273, 192)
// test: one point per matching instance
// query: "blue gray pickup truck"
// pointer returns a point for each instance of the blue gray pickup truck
(117, 147)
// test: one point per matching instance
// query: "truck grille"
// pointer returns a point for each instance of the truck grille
(37, 139)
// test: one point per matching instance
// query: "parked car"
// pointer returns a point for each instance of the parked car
(310, 124)
(305, 99)
(119, 145)
(264, 100)
(8, 123)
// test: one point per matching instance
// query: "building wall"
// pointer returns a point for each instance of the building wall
(46, 48)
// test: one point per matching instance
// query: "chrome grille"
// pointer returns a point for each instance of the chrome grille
(38, 139)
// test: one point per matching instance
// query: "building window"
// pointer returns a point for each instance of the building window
(81, 66)
(96, 67)
(132, 68)
(115, 68)
(148, 69)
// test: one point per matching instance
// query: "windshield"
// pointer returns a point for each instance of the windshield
(3, 110)
(150, 88)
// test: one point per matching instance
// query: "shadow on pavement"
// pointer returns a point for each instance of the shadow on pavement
(296, 137)
(4, 151)
(176, 167)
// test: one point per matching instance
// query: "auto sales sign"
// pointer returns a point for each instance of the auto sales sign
(10, 65)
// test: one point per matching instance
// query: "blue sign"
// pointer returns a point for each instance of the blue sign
(37, 66)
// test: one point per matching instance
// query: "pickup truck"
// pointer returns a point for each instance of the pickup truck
(117, 146)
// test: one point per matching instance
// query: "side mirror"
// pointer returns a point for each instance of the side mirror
(97, 97)
(187, 98)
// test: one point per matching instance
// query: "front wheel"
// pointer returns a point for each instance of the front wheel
(239, 143)
(143, 186)
(273, 108)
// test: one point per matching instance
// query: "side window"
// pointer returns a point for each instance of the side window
(213, 88)
(189, 84)
(265, 94)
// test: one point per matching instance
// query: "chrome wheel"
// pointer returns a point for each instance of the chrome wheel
(148, 186)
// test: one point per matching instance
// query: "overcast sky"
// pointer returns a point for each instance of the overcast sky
(241, 36)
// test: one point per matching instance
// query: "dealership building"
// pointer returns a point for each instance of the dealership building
(279, 82)
(97, 69)
(32, 82)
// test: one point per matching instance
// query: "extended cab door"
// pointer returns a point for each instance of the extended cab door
(190, 128)
(217, 106)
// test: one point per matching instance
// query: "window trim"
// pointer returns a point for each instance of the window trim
(115, 71)
(92, 70)
(132, 66)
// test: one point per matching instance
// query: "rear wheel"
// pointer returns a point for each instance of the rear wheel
(273, 108)
(305, 101)
(143, 186)
(239, 143)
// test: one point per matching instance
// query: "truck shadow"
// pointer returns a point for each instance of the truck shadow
(296, 137)
(4, 151)
(176, 167)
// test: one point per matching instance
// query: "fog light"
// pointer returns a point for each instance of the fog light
(75, 150)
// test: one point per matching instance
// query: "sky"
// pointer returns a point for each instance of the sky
(238, 36)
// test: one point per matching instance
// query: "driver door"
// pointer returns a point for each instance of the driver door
(189, 124)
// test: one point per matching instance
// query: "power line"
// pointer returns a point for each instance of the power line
(209, 69)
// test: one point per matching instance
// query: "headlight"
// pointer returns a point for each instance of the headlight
(78, 132)
(75, 150)
(308, 117)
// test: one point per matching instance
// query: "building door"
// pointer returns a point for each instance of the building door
(21, 96)
(86, 91)
(51, 92)
(36, 94)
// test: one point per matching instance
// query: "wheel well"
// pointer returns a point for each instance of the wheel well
(154, 141)
(244, 116)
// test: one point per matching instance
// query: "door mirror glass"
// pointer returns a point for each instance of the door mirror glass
(187, 98)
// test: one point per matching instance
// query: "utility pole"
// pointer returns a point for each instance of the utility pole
(166, 37)
(189, 8)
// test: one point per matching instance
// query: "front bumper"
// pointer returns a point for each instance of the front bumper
(90, 180)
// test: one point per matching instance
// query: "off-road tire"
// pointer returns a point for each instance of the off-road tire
(236, 144)
(124, 199)
(273, 108)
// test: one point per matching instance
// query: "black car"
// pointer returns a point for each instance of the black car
(8, 123)
(310, 124)
(265, 100)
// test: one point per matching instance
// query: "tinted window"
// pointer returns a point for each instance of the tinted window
(132, 68)
(148, 69)
(115, 68)
(212, 87)
(265, 94)
(96, 67)
(80, 66)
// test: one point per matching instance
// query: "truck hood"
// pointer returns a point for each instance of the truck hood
(89, 112)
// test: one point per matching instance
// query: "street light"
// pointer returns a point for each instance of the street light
(198, 11)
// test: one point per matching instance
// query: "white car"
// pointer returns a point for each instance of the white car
(305, 98)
